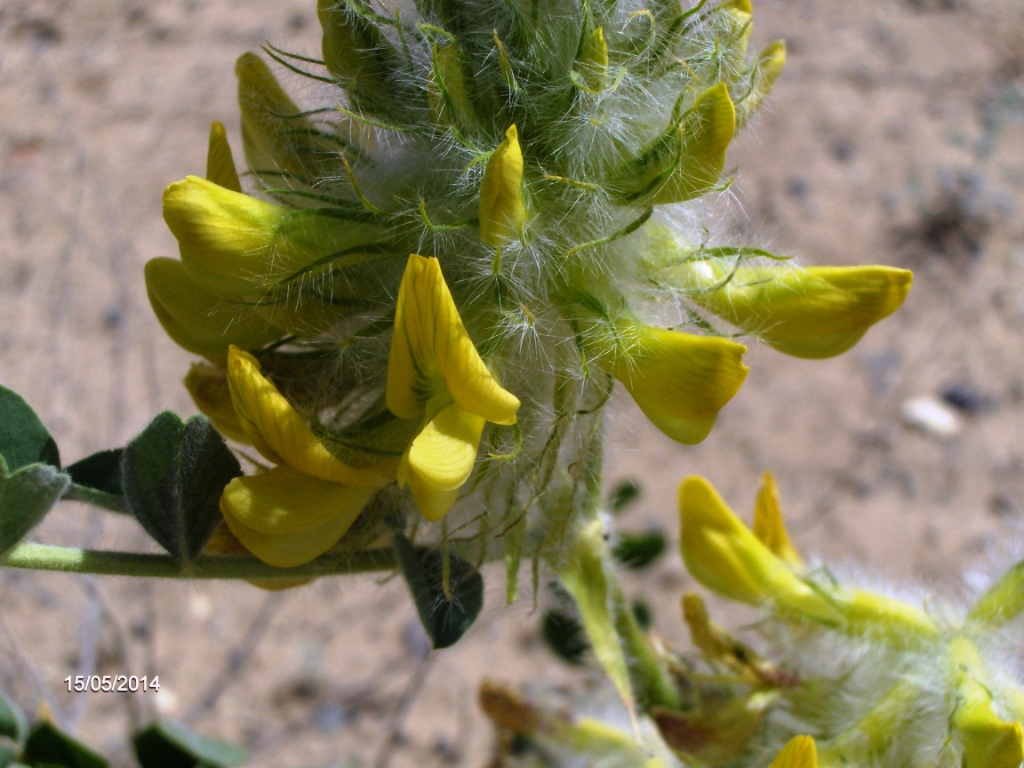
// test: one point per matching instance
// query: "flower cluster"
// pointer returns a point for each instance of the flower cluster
(872, 679)
(536, 155)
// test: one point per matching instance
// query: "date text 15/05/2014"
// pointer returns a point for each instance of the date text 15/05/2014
(112, 683)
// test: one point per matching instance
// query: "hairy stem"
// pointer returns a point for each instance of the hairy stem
(44, 557)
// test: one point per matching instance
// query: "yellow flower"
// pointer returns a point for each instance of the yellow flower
(436, 374)
(234, 245)
(680, 381)
(812, 312)
(726, 556)
(502, 208)
(298, 510)
(800, 752)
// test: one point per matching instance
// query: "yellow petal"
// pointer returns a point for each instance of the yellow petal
(725, 556)
(769, 527)
(812, 312)
(277, 430)
(440, 460)
(234, 245)
(224, 543)
(431, 351)
(220, 165)
(680, 381)
(502, 208)
(209, 389)
(198, 320)
(287, 518)
(688, 160)
(769, 65)
(800, 752)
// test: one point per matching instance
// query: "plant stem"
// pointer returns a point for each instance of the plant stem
(44, 557)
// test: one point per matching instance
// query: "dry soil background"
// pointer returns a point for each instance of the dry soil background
(896, 135)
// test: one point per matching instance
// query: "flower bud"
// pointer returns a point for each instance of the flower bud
(502, 208)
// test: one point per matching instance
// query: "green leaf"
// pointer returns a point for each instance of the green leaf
(48, 745)
(23, 438)
(445, 615)
(25, 498)
(643, 614)
(166, 745)
(638, 550)
(100, 471)
(173, 474)
(624, 494)
(12, 722)
(565, 637)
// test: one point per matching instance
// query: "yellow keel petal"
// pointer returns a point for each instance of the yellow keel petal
(441, 459)
(287, 518)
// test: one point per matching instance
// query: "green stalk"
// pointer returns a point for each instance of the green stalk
(44, 557)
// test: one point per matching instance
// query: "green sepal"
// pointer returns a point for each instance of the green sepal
(167, 745)
(25, 498)
(13, 724)
(638, 550)
(23, 438)
(173, 474)
(101, 471)
(564, 635)
(446, 614)
(47, 745)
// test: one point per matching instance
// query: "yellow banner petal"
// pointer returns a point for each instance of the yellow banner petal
(220, 165)
(800, 752)
(812, 312)
(287, 518)
(278, 431)
(769, 526)
(502, 208)
(196, 319)
(431, 351)
(680, 381)
(441, 459)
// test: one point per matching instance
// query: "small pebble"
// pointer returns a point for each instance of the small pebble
(931, 415)
(966, 398)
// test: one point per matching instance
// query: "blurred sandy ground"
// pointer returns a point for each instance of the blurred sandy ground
(896, 135)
